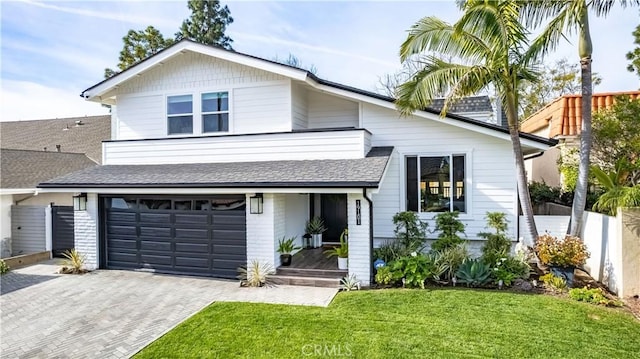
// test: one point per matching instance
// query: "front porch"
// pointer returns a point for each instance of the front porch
(311, 267)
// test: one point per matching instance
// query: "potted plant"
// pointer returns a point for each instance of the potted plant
(562, 256)
(315, 227)
(285, 248)
(341, 251)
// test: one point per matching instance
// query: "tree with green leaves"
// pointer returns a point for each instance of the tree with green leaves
(560, 78)
(491, 49)
(207, 24)
(558, 19)
(137, 46)
(634, 55)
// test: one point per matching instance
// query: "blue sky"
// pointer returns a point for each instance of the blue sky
(52, 50)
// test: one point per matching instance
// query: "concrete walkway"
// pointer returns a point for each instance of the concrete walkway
(113, 314)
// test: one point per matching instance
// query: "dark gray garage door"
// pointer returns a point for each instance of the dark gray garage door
(201, 236)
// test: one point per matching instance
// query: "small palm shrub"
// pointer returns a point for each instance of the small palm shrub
(256, 274)
(448, 224)
(474, 273)
(73, 262)
(4, 267)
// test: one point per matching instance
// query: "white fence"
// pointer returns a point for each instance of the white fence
(614, 244)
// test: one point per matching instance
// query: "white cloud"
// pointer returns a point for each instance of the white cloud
(23, 100)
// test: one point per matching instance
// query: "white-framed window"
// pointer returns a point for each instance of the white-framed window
(180, 114)
(436, 183)
(215, 112)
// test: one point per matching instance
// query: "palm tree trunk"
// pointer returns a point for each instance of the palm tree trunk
(580, 196)
(521, 176)
(585, 48)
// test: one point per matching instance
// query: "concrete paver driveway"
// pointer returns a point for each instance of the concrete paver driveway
(113, 314)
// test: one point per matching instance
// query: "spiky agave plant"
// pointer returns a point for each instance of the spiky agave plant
(350, 283)
(256, 274)
(73, 262)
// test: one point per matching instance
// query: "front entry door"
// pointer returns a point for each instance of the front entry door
(334, 213)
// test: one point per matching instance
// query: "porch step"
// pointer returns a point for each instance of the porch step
(309, 272)
(306, 281)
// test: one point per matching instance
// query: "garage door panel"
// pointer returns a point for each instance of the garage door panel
(153, 232)
(161, 219)
(209, 243)
(191, 218)
(192, 247)
(155, 246)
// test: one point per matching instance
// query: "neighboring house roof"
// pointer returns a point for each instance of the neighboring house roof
(104, 90)
(362, 172)
(465, 105)
(24, 169)
(563, 116)
(40, 134)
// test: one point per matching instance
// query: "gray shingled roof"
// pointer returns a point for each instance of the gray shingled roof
(363, 172)
(38, 134)
(465, 105)
(26, 169)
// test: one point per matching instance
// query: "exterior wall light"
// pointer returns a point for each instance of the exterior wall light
(256, 204)
(80, 202)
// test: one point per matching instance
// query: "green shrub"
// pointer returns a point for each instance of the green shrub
(4, 267)
(384, 275)
(508, 269)
(448, 224)
(390, 251)
(498, 244)
(414, 270)
(474, 273)
(557, 284)
(593, 296)
(541, 192)
(451, 259)
(410, 231)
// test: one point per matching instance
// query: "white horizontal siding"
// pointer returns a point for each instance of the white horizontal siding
(262, 109)
(266, 147)
(300, 119)
(326, 111)
(489, 165)
(259, 101)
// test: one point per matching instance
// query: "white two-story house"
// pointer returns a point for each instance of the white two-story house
(216, 155)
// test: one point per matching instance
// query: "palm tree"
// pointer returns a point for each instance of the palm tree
(569, 16)
(492, 48)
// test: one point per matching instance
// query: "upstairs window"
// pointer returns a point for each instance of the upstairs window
(435, 183)
(215, 112)
(180, 114)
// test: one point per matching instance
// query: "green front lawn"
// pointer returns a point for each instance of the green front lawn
(407, 323)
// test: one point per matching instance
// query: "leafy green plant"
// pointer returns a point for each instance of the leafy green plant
(73, 262)
(451, 259)
(617, 194)
(414, 270)
(570, 252)
(287, 246)
(448, 224)
(315, 226)
(410, 231)
(350, 283)
(541, 192)
(555, 283)
(498, 244)
(384, 275)
(4, 267)
(593, 296)
(390, 251)
(341, 251)
(507, 269)
(256, 274)
(474, 273)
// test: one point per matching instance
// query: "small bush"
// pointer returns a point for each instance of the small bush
(415, 269)
(410, 231)
(570, 252)
(593, 296)
(474, 273)
(4, 267)
(555, 283)
(509, 269)
(451, 259)
(448, 224)
(498, 244)
(384, 276)
(390, 251)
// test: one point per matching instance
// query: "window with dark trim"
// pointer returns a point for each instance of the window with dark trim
(180, 114)
(435, 183)
(215, 112)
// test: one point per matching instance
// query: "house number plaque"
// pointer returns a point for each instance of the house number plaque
(358, 213)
